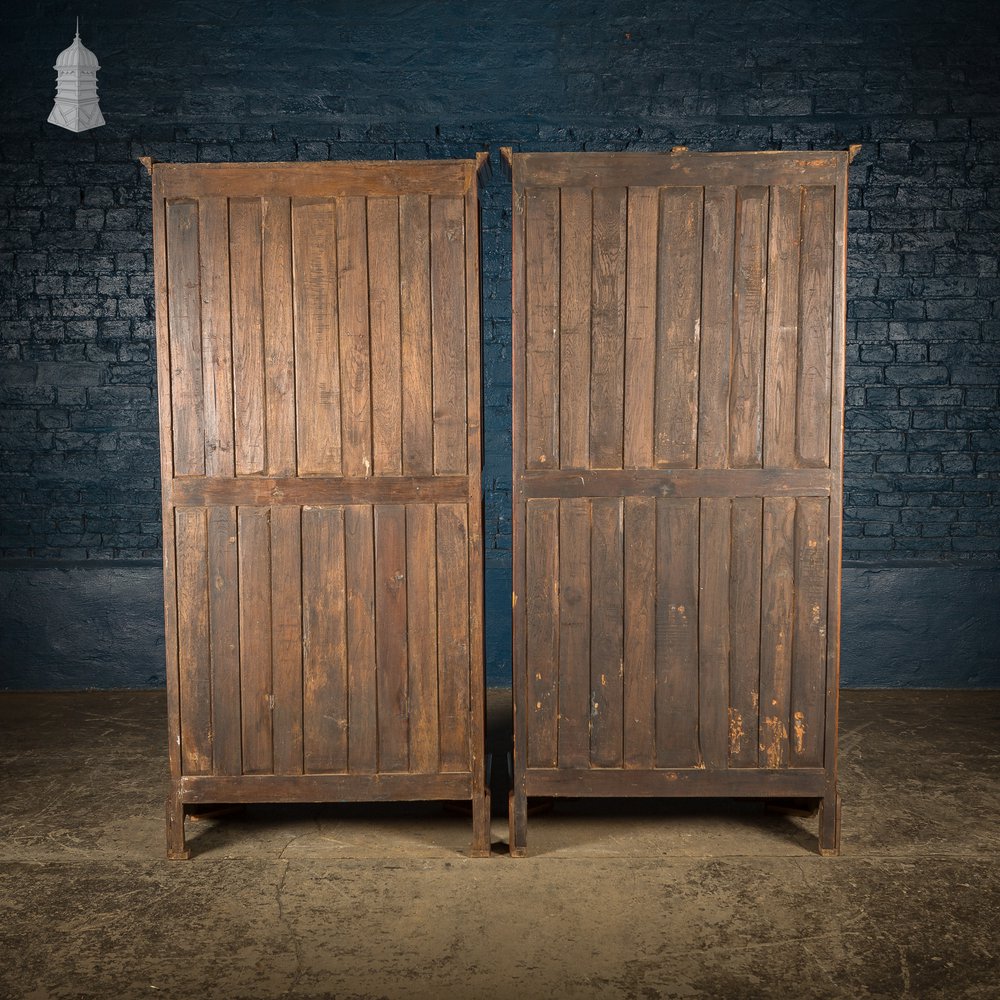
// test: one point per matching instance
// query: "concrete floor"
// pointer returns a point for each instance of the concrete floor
(617, 899)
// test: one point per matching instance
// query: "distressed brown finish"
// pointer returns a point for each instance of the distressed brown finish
(318, 336)
(678, 365)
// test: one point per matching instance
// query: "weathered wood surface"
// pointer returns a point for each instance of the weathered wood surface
(318, 333)
(678, 385)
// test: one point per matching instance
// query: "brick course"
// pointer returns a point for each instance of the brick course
(917, 83)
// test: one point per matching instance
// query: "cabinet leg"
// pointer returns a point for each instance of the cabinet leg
(481, 825)
(517, 815)
(829, 826)
(176, 847)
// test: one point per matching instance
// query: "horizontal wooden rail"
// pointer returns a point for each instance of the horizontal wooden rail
(593, 170)
(253, 491)
(372, 179)
(205, 789)
(613, 782)
(676, 483)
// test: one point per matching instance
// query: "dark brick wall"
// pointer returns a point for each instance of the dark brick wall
(917, 83)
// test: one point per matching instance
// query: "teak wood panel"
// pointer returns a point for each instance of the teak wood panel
(318, 337)
(678, 386)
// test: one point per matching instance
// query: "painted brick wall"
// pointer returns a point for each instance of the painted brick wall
(917, 83)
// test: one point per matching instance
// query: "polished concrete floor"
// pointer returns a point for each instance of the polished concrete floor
(617, 899)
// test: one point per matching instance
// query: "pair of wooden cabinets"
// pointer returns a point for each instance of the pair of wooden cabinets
(677, 412)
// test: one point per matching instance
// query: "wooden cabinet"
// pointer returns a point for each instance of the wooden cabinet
(318, 356)
(678, 409)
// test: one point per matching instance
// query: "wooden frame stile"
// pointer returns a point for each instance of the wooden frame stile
(324, 601)
(691, 478)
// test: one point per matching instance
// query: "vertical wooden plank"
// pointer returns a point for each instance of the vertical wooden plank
(744, 618)
(606, 631)
(640, 632)
(391, 637)
(574, 633)
(193, 641)
(746, 402)
(781, 335)
(678, 326)
(422, 626)
(224, 629)
(716, 327)
(448, 334)
(362, 684)
(318, 387)
(776, 628)
(256, 692)
(812, 423)
(387, 386)
(279, 345)
(542, 611)
(575, 281)
(248, 334)
(324, 641)
(714, 631)
(184, 305)
(286, 637)
(677, 633)
(607, 367)
(355, 347)
(453, 641)
(415, 312)
(640, 331)
(541, 234)
(216, 335)
(810, 636)
(163, 373)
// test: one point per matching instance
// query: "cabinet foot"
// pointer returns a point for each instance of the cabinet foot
(177, 849)
(829, 826)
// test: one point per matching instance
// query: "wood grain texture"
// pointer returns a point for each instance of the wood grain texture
(606, 632)
(318, 375)
(678, 326)
(386, 343)
(575, 289)
(809, 639)
(256, 690)
(542, 328)
(677, 633)
(781, 335)
(746, 401)
(639, 693)
(391, 638)
(607, 350)
(640, 330)
(184, 304)
(355, 347)
(745, 618)
(812, 425)
(776, 629)
(245, 249)
(224, 636)
(324, 641)
(362, 684)
(715, 360)
(216, 335)
(574, 633)
(422, 635)
(279, 343)
(415, 313)
(714, 631)
(542, 605)
(454, 648)
(286, 639)
(193, 641)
